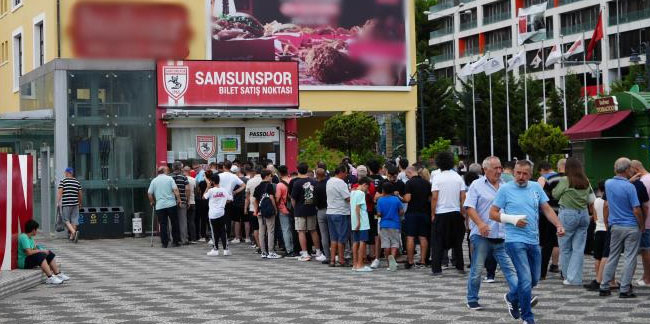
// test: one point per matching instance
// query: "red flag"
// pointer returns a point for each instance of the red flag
(598, 35)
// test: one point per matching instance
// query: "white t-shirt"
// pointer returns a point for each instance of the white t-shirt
(250, 190)
(192, 182)
(217, 198)
(599, 205)
(229, 181)
(449, 185)
(337, 193)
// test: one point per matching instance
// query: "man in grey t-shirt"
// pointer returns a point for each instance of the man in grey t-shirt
(338, 213)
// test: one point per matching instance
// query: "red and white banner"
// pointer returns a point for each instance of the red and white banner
(16, 208)
(227, 84)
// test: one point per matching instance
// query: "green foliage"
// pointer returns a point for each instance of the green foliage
(574, 106)
(636, 72)
(312, 152)
(422, 29)
(541, 139)
(440, 145)
(364, 157)
(357, 132)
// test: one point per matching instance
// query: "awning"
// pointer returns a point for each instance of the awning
(236, 113)
(591, 126)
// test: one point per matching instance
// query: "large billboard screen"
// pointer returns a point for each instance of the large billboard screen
(338, 44)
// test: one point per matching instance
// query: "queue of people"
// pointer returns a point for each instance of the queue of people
(365, 216)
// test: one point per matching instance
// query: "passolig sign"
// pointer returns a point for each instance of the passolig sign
(227, 84)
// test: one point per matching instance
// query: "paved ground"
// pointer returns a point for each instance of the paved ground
(120, 281)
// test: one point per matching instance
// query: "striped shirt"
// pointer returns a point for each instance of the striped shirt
(181, 182)
(71, 188)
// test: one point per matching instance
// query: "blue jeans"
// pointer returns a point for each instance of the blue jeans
(287, 232)
(527, 259)
(572, 244)
(482, 247)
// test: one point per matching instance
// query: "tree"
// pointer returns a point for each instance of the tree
(312, 152)
(574, 103)
(541, 139)
(357, 132)
(444, 117)
(440, 145)
(637, 75)
(422, 29)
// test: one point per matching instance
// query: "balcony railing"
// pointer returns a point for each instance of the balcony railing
(549, 34)
(563, 2)
(441, 32)
(442, 57)
(579, 28)
(496, 18)
(495, 46)
(468, 25)
(626, 17)
(470, 51)
(442, 5)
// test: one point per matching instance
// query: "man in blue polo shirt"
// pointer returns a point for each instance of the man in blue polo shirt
(520, 201)
(625, 224)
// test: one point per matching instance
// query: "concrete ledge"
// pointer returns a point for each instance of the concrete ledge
(15, 281)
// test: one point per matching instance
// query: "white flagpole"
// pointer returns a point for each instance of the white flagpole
(563, 82)
(508, 109)
(491, 124)
(526, 93)
(474, 118)
(584, 62)
(543, 82)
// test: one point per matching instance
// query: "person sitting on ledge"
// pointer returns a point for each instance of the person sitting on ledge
(31, 255)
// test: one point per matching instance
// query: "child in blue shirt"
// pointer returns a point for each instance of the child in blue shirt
(390, 208)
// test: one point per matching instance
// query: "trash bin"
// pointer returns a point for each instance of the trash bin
(101, 222)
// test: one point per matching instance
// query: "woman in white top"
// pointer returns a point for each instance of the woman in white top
(601, 237)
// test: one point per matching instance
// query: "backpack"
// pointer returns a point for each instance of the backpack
(308, 193)
(287, 199)
(266, 205)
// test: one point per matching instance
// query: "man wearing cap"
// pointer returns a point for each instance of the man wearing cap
(164, 195)
(69, 199)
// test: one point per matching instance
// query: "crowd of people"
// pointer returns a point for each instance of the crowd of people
(367, 215)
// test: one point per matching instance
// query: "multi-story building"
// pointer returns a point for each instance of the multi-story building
(465, 29)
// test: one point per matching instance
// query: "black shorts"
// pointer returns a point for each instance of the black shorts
(255, 226)
(35, 260)
(238, 214)
(373, 232)
(417, 224)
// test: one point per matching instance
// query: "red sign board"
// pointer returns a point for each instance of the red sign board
(119, 29)
(227, 84)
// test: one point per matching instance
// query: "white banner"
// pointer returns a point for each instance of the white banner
(531, 23)
(262, 135)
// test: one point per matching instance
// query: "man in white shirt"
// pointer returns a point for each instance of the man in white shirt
(447, 195)
(249, 204)
(229, 181)
(191, 204)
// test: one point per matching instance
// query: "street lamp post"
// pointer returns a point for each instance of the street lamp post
(423, 69)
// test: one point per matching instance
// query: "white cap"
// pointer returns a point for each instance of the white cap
(234, 169)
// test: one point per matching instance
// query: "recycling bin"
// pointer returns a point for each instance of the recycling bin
(101, 223)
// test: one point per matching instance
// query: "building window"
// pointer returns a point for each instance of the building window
(39, 40)
(15, 4)
(18, 54)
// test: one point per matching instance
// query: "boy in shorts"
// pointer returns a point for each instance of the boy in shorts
(390, 208)
(360, 225)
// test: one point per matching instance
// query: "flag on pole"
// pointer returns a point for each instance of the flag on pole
(479, 66)
(465, 71)
(537, 60)
(554, 56)
(531, 23)
(516, 61)
(577, 47)
(493, 65)
(597, 35)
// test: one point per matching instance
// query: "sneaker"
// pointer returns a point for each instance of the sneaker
(273, 255)
(408, 266)
(489, 280)
(554, 268)
(533, 301)
(76, 236)
(305, 257)
(321, 257)
(62, 276)
(364, 269)
(247, 240)
(604, 293)
(566, 283)
(641, 283)
(628, 294)
(210, 242)
(528, 322)
(264, 255)
(202, 239)
(513, 311)
(375, 264)
(474, 306)
(213, 252)
(592, 286)
(392, 264)
(235, 241)
(226, 252)
(53, 280)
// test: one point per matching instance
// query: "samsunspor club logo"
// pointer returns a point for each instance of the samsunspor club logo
(175, 81)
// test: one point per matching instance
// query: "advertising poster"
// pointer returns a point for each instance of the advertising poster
(261, 135)
(338, 44)
(229, 144)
